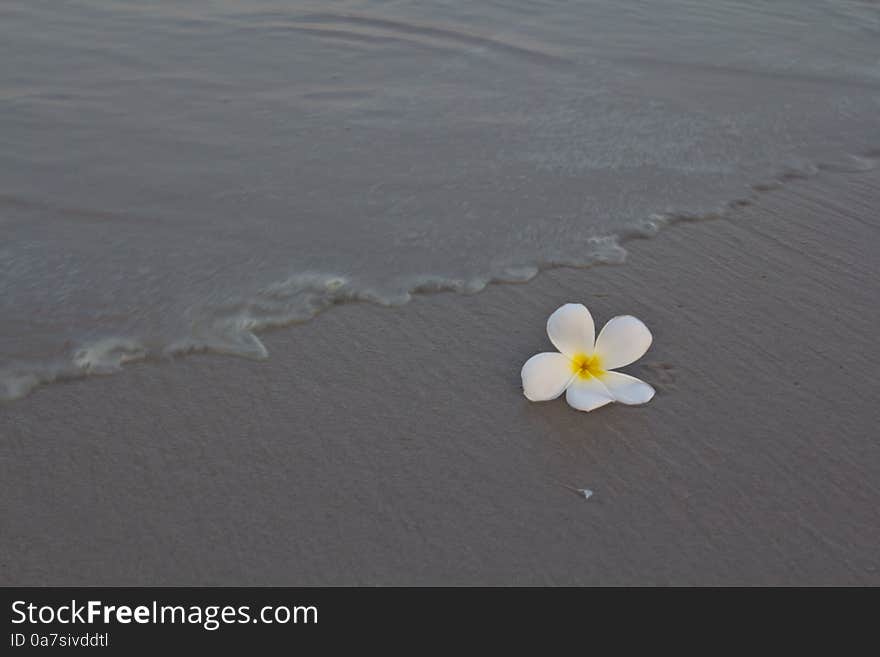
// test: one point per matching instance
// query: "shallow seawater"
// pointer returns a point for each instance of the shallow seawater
(177, 175)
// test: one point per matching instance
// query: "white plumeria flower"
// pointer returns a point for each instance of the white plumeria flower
(584, 368)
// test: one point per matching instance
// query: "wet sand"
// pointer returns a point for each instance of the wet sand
(393, 445)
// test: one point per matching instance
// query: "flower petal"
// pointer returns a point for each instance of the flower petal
(623, 340)
(627, 389)
(545, 376)
(571, 329)
(587, 394)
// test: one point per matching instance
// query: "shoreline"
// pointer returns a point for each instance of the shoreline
(394, 446)
(242, 337)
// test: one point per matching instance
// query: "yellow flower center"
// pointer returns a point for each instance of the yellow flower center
(586, 366)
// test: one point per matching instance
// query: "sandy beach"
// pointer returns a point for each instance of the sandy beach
(381, 446)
